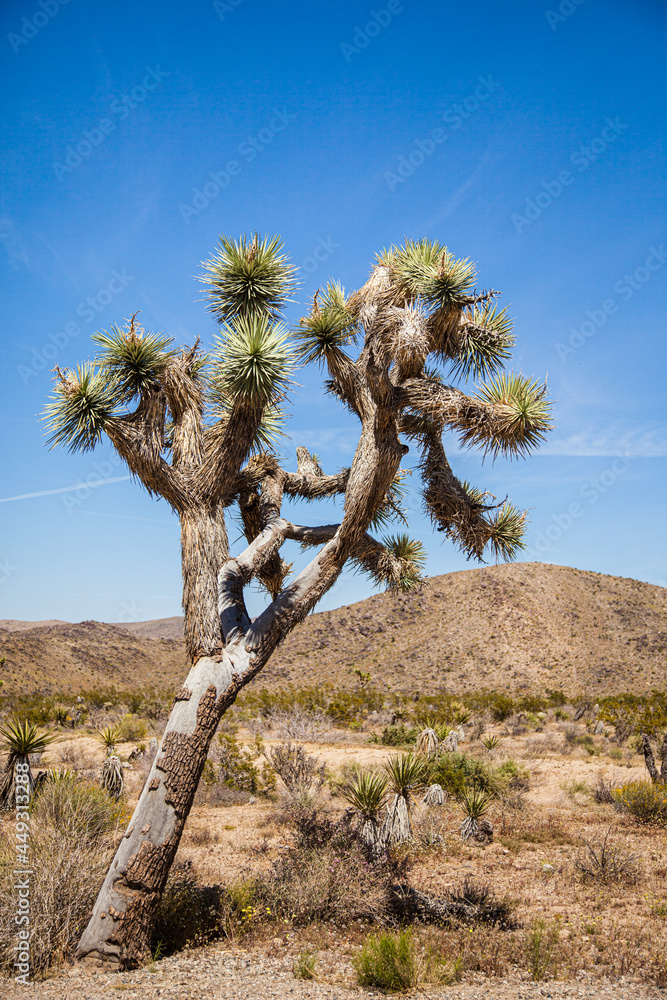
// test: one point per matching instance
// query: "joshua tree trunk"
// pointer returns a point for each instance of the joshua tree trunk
(124, 913)
(123, 917)
(647, 751)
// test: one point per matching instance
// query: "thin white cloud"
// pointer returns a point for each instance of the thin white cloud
(92, 484)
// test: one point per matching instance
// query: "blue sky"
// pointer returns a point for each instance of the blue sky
(525, 136)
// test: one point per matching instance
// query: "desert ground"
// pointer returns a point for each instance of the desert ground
(599, 936)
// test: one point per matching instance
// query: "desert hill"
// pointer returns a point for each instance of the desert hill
(522, 626)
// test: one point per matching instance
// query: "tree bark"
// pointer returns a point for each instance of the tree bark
(646, 750)
(122, 920)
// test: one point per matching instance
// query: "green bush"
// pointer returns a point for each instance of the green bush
(73, 806)
(131, 728)
(342, 706)
(634, 714)
(645, 800)
(387, 962)
(511, 777)
(542, 946)
(237, 767)
(396, 736)
(456, 772)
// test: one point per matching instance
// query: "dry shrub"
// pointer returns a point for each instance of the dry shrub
(297, 723)
(328, 874)
(203, 836)
(605, 862)
(603, 792)
(71, 846)
(298, 770)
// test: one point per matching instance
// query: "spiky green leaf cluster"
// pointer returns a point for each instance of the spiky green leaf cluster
(522, 416)
(249, 278)
(427, 270)
(109, 737)
(412, 555)
(22, 738)
(132, 360)
(328, 328)
(406, 773)
(81, 407)
(474, 802)
(508, 525)
(484, 342)
(252, 361)
(365, 793)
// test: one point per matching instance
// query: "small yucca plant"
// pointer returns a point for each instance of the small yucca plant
(60, 715)
(491, 743)
(406, 775)
(109, 737)
(475, 804)
(366, 793)
(19, 740)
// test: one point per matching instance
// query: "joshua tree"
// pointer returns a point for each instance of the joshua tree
(198, 430)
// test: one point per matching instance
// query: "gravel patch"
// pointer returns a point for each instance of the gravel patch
(235, 975)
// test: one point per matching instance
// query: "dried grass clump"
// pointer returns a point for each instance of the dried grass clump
(604, 862)
(297, 723)
(71, 846)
